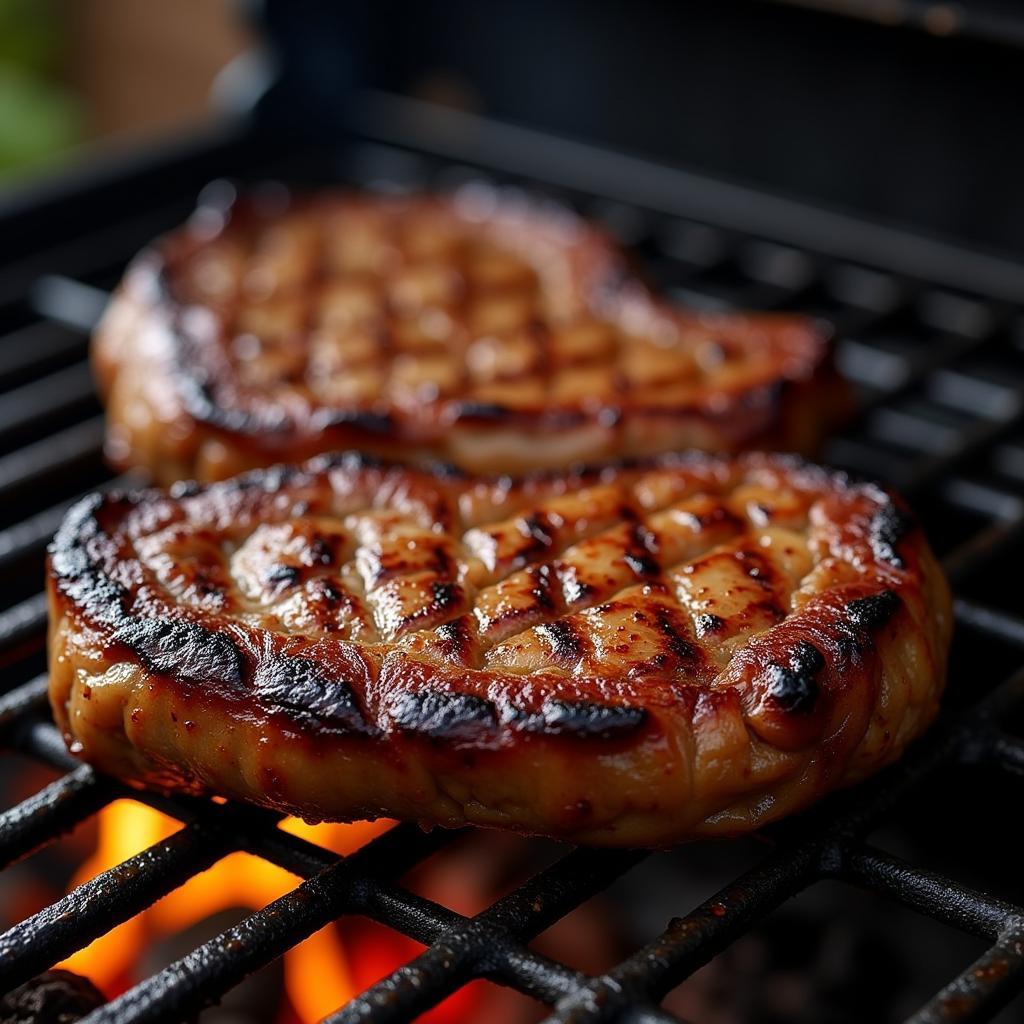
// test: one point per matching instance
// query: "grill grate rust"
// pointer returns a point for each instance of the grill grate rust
(941, 417)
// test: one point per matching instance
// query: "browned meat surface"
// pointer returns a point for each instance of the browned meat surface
(639, 654)
(483, 330)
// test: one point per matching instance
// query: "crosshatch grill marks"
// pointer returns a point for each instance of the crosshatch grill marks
(415, 302)
(738, 585)
(422, 328)
(541, 531)
(631, 690)
(406, 302)
(299, 573)
(189, 564)
(543, 586)
(529, 618)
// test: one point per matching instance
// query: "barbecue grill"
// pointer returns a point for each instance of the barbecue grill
(933, 337)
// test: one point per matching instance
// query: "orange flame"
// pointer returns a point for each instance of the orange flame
(318, 973)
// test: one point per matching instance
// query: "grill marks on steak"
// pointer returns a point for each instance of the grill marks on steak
(646, 573)
(436, 328)
(689, 645)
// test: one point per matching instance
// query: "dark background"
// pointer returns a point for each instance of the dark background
(910, 115)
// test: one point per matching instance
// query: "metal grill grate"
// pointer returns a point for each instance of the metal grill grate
(941, 374)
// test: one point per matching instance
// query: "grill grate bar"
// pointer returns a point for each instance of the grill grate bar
(24, 351)
(998, 624)
(934, 419)
(481, 945)
(1007, 752)
(22, 700)
(46, 815)
(32, 534)
(41, 739)
(927, 892)
(964, 560)
(981, 437)
(982, 989)
(429, 923)
(23, 621)
(536, 975)
(46, 459)
(68, 390)
(105, 248)
(111, 898)
(691, 941)
(203, 976)
(72, 303)
(255, 829)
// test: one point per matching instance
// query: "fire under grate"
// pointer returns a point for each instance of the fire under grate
(941, 372)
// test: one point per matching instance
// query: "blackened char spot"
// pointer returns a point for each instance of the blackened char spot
(582, 719)
(360, 419)
(281, 576)
(674, 639)
(100, 597)
(642, 563)
(446, 593)
(543, 582)
(640, 555)
(790, 690)
(183, 650)
(537, 528)
(481, 411)
(492, 412)
(889, 525)
(68, 547)
(874, 610)
(349, 461)
(793, 686)
(320, 551)
(806, 658)
(757, 568)
(300, 686)
(707, 624)
(562, 639)
(327, 590)
(443, 715)
(454, 639)
(276, 478)
(55, 996)
(441, 560)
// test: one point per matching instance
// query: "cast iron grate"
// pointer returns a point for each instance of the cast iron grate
(941, 375)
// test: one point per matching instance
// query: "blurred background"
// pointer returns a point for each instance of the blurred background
(904, 110)
(858, 160)
(76, 75)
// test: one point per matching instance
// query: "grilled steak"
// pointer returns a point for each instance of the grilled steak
(635, 654)
(493, 333)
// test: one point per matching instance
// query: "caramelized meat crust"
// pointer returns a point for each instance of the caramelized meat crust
(484, 330)
(634, 654)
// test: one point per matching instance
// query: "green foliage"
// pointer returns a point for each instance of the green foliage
(30, 35)
(39, 119)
